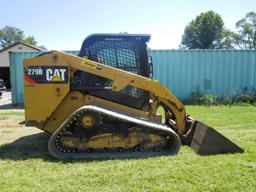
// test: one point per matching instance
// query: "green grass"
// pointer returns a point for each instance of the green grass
(11, 115)
(25, 164)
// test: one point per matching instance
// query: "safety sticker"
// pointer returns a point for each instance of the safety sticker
(91, 66)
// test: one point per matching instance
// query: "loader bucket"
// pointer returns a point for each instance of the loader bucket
(207, 141)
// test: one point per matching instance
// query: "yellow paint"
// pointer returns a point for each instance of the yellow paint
(68, 106)
(114, 141)
(56, 78)
(87, 121)
(44, 104)
(41, 100)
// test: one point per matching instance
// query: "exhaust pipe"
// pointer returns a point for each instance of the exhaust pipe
(207, 141)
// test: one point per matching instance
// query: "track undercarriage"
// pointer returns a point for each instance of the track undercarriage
(95, 132)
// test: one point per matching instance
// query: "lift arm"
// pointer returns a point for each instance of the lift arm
(122, 78)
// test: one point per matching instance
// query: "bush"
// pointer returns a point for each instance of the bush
(247, 97)
(208, 100)
(232, 98)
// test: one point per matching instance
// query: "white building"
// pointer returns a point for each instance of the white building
(5, 61)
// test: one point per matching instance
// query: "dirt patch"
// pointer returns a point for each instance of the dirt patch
(11, 119)
(8, 135)
(11, 123)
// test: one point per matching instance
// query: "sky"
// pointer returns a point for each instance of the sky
(64, 24)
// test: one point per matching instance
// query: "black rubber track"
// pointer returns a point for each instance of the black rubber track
(172, 150)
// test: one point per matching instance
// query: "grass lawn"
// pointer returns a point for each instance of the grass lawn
(25, 164)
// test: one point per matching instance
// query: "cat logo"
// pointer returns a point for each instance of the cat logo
(56, 75)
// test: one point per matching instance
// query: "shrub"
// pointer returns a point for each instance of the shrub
(208, 100)
(233, 97)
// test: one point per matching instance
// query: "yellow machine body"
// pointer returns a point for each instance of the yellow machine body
(42, 101)
(50, 103)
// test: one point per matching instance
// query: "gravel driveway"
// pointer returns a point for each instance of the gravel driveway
(6, 98)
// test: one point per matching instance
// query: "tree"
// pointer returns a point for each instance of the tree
(205, 32)
(10, 35)
(229, 39)
(246, 31)
(30, 40)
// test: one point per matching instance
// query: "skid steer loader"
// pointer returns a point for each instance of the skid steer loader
(103, 104)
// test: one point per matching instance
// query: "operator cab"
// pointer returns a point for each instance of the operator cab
(123, 51)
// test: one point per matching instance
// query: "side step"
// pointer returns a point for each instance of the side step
(208, 141)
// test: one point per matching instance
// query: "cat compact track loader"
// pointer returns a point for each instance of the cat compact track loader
(103, 104)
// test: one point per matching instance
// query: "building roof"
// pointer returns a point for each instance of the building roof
(20, 42)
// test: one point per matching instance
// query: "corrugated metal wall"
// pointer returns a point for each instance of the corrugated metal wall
(181, 71)
(16, 70)
(206, 71)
